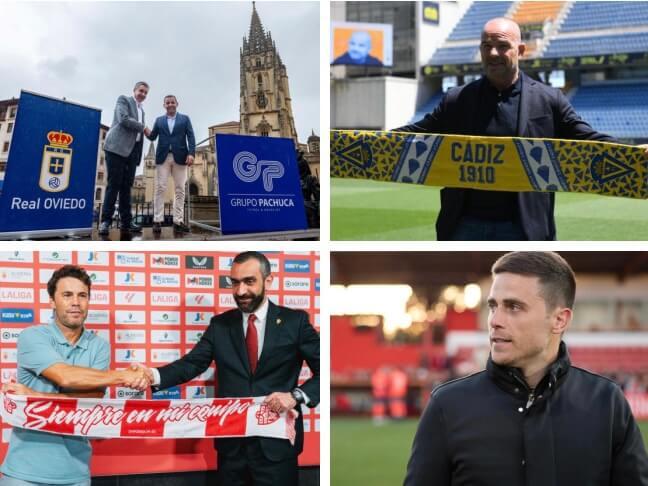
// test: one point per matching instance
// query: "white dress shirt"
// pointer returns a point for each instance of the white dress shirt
(261, 314)
(140, 117)
(260, 323)
(171, 122)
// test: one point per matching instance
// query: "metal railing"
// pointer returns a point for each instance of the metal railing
(142, 214)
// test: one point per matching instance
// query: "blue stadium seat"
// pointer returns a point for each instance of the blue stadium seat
(620, 110)
(470, 25)
(593, 45)
(603, 15)
(455, 55)
(428, 106)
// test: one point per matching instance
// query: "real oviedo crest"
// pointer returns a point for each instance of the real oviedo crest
(56, 163)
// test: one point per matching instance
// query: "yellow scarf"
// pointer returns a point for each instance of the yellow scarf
(493, 163)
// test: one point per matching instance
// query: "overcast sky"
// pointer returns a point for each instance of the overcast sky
(92, 52)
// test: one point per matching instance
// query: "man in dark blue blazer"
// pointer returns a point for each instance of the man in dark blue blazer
(175, 152)
(505, 102)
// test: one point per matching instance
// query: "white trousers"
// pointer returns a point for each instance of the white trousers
(179, 174)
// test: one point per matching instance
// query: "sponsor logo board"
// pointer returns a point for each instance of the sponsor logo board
(165, 317)
(130, 259)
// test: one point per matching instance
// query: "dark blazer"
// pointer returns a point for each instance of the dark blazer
(544, 113)
(175, 142)
(289, 340)
(575, 429)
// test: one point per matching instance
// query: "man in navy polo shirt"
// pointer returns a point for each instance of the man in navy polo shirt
(61, 358)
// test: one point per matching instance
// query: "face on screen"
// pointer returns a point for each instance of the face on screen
(359, 46)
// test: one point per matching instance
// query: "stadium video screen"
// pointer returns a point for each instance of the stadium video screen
(361, 44)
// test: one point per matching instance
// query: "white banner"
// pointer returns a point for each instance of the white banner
(102, 418)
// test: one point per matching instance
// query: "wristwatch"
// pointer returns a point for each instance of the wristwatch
(298, 395)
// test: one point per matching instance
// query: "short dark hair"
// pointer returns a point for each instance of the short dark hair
(264, 263)
(171, 96)
(556, 276)
(141, 83)
(68, 271)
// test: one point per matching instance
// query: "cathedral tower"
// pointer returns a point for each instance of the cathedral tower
(265, 108)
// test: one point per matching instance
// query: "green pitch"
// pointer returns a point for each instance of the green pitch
(364, 454)
(369, 210)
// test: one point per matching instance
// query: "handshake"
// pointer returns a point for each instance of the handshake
(137, 377)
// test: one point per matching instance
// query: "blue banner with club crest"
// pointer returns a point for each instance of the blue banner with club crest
(258, 185)
(49, 181)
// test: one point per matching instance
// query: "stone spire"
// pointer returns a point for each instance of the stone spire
(265, 102)
(151, 151)
(258, 41)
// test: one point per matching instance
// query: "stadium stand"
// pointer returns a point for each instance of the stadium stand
(534, 18)
(429, 106)
(456, 55)
(598, 44)
(603, 15)
(559, 30)
(618, 109)
(468, 28)
(537, 12)
(610, 359)
(474, 18)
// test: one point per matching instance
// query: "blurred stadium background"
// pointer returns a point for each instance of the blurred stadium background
(596, 52)
(424, 314)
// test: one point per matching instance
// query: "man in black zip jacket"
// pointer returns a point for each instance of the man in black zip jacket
(529, 419)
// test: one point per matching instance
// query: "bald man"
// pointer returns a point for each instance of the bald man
(358, 51)
(504, 103)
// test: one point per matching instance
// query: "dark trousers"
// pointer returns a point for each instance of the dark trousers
(121, 175)
(475, 229)
(249, 466)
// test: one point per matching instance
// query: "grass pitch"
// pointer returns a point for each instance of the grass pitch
(370, 210)
(364, 454)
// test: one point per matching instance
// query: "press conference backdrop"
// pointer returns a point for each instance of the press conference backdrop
(152, 308)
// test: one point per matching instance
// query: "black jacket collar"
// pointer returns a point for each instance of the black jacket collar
(512, 379)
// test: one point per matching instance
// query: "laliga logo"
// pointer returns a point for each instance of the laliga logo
(248, 169)
(265, 416)
(9, 404)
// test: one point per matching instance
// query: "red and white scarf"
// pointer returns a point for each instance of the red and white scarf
(101, 418)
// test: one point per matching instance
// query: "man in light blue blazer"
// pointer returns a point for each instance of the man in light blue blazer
(123, 148)
(175, 152)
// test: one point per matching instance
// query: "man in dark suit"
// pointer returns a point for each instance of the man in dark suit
(259, 350)
(172, 157)
(123, 148)
(505, 102)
